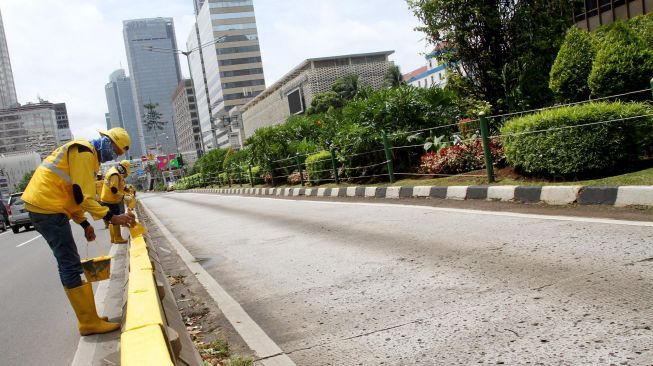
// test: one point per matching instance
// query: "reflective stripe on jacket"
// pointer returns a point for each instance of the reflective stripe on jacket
(65, 183)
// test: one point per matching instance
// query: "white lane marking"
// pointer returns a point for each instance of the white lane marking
(6, 232)
(29, 241)
(470, 211)
(255, 337)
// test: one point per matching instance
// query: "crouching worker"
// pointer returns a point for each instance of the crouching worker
(113, 193)
(63, 187)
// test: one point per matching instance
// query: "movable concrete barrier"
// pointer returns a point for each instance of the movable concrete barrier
(153, 332)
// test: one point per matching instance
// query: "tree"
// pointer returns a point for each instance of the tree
(623, 63)
(323, 101)
(393, 77)
(152, 121)
(346, 87)
(572, 67)
(504, 47)
(24, 181)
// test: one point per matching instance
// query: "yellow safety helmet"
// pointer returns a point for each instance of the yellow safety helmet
(119, 137)
(126, 164)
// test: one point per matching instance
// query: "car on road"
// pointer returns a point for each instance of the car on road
(18, 216)
(4, 216)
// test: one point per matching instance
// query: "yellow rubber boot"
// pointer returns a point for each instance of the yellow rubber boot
(116, 237)
(88, 322)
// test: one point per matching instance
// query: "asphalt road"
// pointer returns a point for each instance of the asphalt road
(336, 283)
(37, 324)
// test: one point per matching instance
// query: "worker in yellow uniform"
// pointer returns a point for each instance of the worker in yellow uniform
(99, 182)
(63, 188)
(113, 193)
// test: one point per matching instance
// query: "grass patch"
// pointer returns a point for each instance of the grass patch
(503, 177)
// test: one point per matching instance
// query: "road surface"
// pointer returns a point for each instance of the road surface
(336, 283)
(39, 326)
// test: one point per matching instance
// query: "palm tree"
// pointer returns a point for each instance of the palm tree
(152, 121)
(393, 77)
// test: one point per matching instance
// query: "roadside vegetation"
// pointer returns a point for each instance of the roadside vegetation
(599, 132)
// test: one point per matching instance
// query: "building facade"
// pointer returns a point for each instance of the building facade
(155, 73)
(434, 73)
(591, 14)
(295, 90)
(63, 125)
(187, 122)
(233, 68)
(122, 110)
(7, 87)
(13, 167)
(31, 127)
(107, 120)
(198, 77)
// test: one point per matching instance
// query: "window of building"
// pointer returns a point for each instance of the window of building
(246, 14)
(231, 4)
(432, 79)
(419, 83)
(241, 38)
(255, 71)
(239, 61)
(240, 84)
(228, 50)
(228, 27)
(441, 75)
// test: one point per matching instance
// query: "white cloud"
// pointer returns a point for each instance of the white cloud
(64, 50)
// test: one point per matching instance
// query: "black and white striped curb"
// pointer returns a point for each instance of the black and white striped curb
(621, 196)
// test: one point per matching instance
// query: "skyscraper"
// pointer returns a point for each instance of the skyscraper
(7, 87)
(154, 76)
(233, 68)
(63, 125)
(122, 112)
(187, 122)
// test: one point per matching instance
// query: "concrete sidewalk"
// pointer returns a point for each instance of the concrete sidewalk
(104, 349)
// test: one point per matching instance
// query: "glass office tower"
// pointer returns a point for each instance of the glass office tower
(154, 74)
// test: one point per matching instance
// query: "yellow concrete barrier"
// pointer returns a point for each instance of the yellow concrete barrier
(144, 347)
(143, 340)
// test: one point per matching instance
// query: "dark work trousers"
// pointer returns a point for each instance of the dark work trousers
(56, 230)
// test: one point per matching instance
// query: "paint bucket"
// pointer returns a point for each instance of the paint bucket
(97, 269)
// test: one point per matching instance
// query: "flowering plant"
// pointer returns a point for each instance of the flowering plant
(463, 157)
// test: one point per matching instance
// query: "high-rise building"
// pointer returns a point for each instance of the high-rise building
(122, 110)
(198, 77)
(154, 76)
(187, 122)
(233, 68)
(107, 119)
(31, 127)
(13, 167)
(7, 87)
(591, 14)
(63, 126)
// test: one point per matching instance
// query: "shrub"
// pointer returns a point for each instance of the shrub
(572, 67)
(318, 166)
(577, 150)
(623, 63)
(295, 177)
(461, 158)
(186, 182)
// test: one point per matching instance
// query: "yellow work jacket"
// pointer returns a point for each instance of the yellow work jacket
(65, 183)
(98, 188)
(113, 189)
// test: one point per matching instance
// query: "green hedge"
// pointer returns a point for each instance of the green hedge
(572, 67)
(623, 63)
(187, 182)
(316, 165)
(578, 150)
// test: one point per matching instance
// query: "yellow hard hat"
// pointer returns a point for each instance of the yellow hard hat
(119, 137)
(127, 165)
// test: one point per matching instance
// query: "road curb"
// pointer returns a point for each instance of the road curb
(623, 196)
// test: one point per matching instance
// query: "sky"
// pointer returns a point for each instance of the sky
(64, 50)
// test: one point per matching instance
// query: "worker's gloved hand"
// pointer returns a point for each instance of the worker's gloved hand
(130, 213)
(89, 233)
(123, 220)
